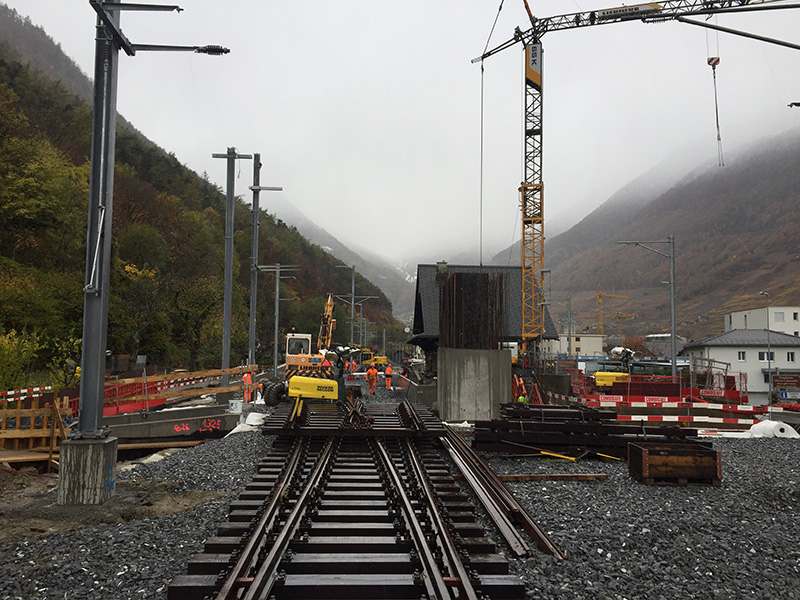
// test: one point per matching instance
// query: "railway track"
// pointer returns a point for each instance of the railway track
(361, 502)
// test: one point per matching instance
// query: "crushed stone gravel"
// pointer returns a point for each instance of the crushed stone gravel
(625, 540)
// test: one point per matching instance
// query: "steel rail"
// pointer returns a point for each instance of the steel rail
(297, 409)
(453, 557)
(434, 582)
(239, 571)
(416, 421)
(268, 570)
(496, 513)
(490, 482)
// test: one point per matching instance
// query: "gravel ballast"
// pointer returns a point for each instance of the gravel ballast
(628, 540)
(625, 540)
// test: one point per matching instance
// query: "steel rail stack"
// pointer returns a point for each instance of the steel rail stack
(354, 501)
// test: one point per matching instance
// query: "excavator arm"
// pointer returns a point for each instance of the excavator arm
(327, 326)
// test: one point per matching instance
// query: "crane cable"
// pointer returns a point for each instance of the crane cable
(713, 61)
(480, 220)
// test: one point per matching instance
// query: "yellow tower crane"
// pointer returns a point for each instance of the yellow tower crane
(600, 296)
(532, 187)
(621, 315)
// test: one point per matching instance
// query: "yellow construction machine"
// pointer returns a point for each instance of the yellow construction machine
(368, 357)
(318, 375)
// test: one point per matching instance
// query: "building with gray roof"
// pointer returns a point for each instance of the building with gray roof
(748, 351)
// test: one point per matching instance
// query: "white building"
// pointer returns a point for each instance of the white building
(785, 319)
(583, 344)
(745, 350)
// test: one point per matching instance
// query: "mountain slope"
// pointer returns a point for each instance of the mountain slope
(394, 282)
(167, 243)
(735, 230)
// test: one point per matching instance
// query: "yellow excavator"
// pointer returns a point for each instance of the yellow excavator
(368, 357)
(319, 375)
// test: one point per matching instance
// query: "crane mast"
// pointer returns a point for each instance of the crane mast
(532, 187)
(600, 296)
(532, 201)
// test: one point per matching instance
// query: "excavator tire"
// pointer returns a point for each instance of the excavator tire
(274, 394)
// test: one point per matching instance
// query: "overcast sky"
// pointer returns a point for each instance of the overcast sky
(368, 113)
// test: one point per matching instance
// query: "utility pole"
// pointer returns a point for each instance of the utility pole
(255, 188)
(361, 316)
(277, 269)
(671, 256)
(769, 352)
(231, 155)
(352, 299)
(84, 477)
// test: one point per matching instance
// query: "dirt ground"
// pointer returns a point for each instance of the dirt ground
(28, 507)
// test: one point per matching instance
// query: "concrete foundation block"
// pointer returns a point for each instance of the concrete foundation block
(87, 471)
(472, 383)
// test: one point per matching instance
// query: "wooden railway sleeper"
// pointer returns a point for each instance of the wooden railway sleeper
(433, 583)
(449, 555)
(227, 582)
(266, 553)
(419, 523)
(266, 576)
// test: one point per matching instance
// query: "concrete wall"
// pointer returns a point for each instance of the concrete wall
(472, 383)
(425, 394)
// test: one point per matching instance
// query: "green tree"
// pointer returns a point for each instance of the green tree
(195, 303)
(64, 364)
(17, 353)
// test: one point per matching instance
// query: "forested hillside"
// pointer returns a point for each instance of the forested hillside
(168, 242)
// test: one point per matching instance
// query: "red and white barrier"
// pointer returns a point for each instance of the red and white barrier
(23, 393)
(687, 419)
(657, 402)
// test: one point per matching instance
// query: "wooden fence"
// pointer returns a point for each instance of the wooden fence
(27, 433)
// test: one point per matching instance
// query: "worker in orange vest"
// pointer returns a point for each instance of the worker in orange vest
(388, 373)
(247, 379)
(372, 378)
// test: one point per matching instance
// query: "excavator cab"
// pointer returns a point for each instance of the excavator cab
(298, 343)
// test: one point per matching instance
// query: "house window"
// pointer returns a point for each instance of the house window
(762, 356)
(779, 316)
(795, 316)
(577, 349)
(766, 377)
(790, 357)
(742, 355)
(577, 338)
